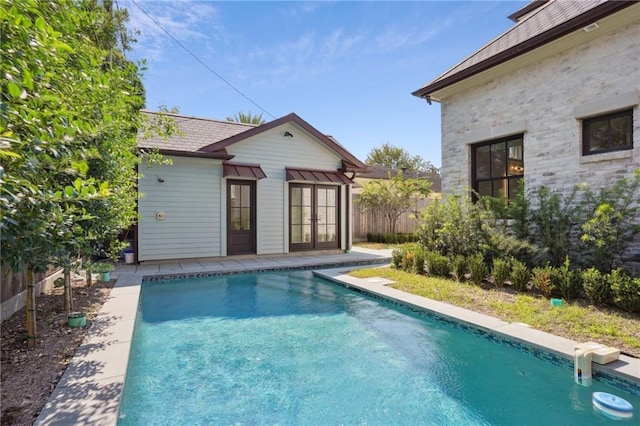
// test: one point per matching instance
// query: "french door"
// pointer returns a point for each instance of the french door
(314, 213)
(241, 217)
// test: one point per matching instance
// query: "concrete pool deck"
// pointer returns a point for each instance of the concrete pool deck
(90, 389)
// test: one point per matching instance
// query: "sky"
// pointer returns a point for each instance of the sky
(347, 68)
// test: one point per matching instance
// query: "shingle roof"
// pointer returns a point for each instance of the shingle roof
(548, 22)
(350, 162)
(195, 132)
(204, 137)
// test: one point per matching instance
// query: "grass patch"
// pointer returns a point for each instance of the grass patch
(576, 320)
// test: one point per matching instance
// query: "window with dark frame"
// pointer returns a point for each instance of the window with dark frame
(497, 167)
(606, 133)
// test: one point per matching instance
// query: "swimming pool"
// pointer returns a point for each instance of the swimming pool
(291, 348)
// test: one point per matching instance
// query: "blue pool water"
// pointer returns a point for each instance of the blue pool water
(293, 349)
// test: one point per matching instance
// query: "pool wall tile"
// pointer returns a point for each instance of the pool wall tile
(623, 374)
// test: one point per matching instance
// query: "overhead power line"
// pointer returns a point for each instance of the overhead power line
(211, 70)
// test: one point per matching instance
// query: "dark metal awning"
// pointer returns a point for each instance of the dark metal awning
(310, 175)
(243, 170)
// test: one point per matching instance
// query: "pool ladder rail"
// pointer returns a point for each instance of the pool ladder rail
(587, 352)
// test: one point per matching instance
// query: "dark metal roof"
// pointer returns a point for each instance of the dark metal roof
(245, 170)
(545, 23)
(310, 175)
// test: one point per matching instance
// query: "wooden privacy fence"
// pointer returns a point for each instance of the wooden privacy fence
(376, 223)
(13, 285)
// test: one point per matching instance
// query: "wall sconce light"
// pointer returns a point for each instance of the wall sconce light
(160, 179)
(288, 134)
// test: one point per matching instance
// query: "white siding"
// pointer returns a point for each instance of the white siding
(189, 197)
(274, 152)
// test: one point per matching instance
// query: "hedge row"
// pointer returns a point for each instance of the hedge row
(616, 288)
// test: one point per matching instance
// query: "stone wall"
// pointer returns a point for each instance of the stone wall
(546, 102)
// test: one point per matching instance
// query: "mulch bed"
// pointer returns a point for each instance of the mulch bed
(30, 375)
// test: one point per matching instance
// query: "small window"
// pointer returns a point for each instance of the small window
(605, 133)
(498, 167)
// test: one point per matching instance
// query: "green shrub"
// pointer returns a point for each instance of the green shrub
(597, 286)
(609, 222)
(408, 260)
(568, 283)
(543, 280)
(477, 269)
(455, 226)
(391, 238)
(500, 271)
(102, 267)
(520, 275)
(418, 262)
(438, 265)
(552, 225)
(626, 291)
(396, 258)
(459, 266)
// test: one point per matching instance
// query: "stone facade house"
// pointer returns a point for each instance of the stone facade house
(553, 100)
(237, 188)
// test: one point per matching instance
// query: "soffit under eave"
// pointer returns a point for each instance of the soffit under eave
(607, 26)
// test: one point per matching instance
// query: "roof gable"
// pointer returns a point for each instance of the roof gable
(538, 24)
(203, 137)
(350, 162)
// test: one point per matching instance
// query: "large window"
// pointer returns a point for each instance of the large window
(497, 167)
(611, 132)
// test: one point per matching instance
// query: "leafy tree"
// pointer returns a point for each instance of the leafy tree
(397, 158)
(393, 197)
(247, 118)
(69, 115)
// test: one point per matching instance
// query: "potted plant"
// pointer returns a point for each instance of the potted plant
(77, 319)
(103, 270)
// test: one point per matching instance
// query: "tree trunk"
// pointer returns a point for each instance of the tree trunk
(68, 300)
(32, 341)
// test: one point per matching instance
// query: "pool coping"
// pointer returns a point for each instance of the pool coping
(89, 391)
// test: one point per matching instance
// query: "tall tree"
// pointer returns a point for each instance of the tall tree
(393, 197)
(69, 115)
(247, 118)
(397, 158)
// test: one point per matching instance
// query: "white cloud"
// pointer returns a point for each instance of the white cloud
(393, 38)
(183, 20)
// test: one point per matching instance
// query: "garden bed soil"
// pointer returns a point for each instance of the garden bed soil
(30, 375)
